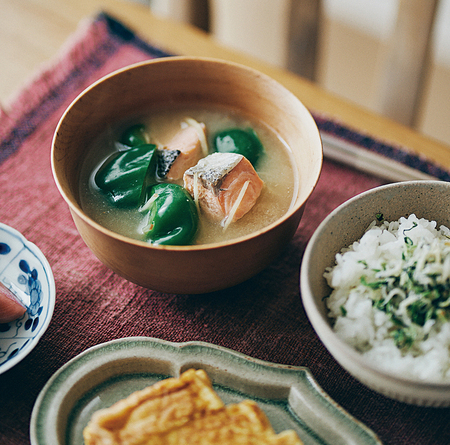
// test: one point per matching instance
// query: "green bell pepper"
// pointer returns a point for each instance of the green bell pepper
(237, 140)
(124, 174)
(172, 217)
(135, 135)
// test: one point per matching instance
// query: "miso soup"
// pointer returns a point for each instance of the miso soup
(275, 168)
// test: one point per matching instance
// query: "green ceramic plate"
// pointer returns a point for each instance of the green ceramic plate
(111, 371)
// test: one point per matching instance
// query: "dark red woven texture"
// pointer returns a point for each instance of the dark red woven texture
(263, 317)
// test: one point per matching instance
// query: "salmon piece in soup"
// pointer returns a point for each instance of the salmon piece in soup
(225, 186)
(187, 148)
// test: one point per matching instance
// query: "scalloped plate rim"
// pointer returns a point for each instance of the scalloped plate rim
(181, 355)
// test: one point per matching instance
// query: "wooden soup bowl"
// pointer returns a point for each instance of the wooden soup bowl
(184, 80)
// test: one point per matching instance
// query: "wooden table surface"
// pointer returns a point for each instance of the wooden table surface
(33, 31)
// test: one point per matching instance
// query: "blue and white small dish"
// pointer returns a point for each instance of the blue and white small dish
(26, 272)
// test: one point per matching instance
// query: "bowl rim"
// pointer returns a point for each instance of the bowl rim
(294, 208)
(323, 328)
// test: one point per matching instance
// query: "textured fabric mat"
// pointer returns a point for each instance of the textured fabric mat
(262, 317)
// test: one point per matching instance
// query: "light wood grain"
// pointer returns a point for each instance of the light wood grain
(32, 31)
(407, 52)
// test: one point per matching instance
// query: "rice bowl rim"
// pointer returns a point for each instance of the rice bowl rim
(341, 350)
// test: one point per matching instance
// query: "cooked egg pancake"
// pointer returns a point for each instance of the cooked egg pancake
(240, 424)
(159, 408)
(184, 410)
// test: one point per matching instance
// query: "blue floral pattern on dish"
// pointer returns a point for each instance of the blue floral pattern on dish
(26, 272)
(4, 249)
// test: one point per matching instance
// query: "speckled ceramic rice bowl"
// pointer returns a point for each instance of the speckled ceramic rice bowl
(428, 200)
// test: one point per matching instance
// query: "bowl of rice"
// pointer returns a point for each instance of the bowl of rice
(375, 284)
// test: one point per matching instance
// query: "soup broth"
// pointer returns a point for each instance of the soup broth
(275, 168)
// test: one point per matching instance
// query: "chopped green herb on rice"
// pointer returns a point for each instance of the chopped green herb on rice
(391, 297)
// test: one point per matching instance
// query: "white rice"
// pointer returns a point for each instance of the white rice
(384, 254)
